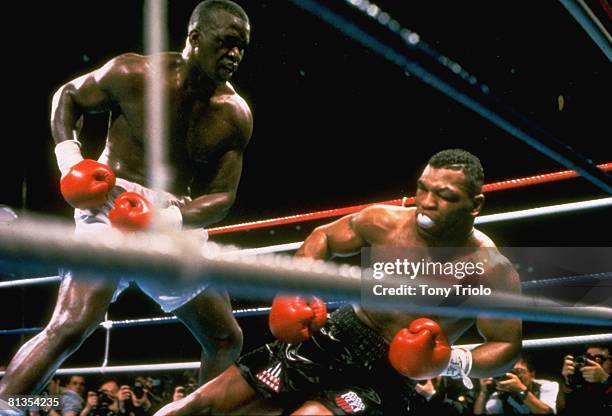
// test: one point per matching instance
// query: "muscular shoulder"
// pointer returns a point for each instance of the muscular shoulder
(134, 66)
(377, 219)
(500, 272)
(122, 73)
(125, 65)
(236, 110)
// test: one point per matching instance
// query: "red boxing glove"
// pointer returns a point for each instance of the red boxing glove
(420, 351)
(132, 212)
(294, 319)
(87, 184)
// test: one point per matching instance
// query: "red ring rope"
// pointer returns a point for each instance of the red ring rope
(337, 212)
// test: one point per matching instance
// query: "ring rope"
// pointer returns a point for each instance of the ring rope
(484, 219)
(337, 212)
(164, 256)
(448, 77)
(240, 313)
(192, 365)
(30, 281)
(561, 341)
(128, 323)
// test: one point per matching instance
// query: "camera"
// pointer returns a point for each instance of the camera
(104, 400)
(576, 380)
(190, 388)
(505, 377)
(138, 389)
(493, 386)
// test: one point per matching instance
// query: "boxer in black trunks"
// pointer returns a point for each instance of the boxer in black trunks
(344, 368)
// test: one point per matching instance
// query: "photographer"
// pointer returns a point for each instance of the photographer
(110, 400)
(136, 398)
(517, 392)
(441, 396)
(102, 402)
(53, 389)
(181, 391)
(588, 387)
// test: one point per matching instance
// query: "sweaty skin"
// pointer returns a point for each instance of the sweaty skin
(443, 197)
(440, 197)
(209, 126)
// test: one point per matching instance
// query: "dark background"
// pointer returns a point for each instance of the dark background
(335, 125)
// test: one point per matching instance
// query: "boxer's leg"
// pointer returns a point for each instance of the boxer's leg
(227, 392)
(80, 307)
(312, 408)
(209, 317)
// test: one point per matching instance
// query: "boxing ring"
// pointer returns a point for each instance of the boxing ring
(258, 273)
(233, 267)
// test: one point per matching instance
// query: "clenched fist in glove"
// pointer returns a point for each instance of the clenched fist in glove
(422, 351)
(85, 183)
(294, 319)
(134, 212)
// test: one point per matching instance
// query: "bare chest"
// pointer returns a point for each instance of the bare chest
(388, 323)
(195, 131)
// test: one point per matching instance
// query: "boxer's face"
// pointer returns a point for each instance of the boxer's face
(220, 46)
(443, 202)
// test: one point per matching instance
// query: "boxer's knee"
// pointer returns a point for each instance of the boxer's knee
(226, 343)
(312, 408)
(230, 339)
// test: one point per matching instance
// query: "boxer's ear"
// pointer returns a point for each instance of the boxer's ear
(194, 37)
(477, 202)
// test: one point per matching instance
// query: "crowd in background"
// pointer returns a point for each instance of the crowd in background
(584, 387)
(115, 396)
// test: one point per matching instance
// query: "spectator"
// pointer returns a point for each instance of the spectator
(106, 402)
(518, 392)
(72, 399)
(52, 389)
(135, 399)
(91, 403)
(441, 396)
(179, 393)
(155, 392)
(588, 388)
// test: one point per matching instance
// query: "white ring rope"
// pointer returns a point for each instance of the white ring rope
(192, 365)
(30, 282)
(166, 257)
(561, 341)
(485, 219)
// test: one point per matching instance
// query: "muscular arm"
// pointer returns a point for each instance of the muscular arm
(503, 337)
(216, 196)
(92, 92)
(337, 238)
(346, 236)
